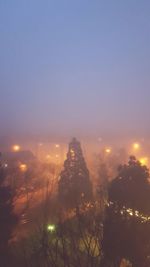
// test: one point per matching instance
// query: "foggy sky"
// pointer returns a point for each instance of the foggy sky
(73, 67)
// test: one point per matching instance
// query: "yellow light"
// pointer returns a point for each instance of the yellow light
(108, 150)
(51, 228)
(136, 146)
(57, 145)
(16, 148)
(23, 167)
(143, 161)
(72, 153)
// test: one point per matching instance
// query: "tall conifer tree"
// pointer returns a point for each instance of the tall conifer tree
(74, 184)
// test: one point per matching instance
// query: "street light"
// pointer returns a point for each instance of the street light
(16, 148)
(136, 146)
(51, 228)
(57, 145)
(108, 150)
(143, 161)
(23, 167)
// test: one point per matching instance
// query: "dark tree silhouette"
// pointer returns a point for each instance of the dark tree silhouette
(7, 218)
(74, 185)
(127, 220)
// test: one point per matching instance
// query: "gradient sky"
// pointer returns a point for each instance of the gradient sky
(75, 66)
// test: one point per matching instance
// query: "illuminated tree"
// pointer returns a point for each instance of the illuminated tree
(74, 184)
(127, 220)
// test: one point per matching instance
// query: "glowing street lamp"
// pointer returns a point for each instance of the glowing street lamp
(108, 150)
(57, 145)
(23, 167)
(143, 161)
(51, 228)
(136, 146)
(16, 148)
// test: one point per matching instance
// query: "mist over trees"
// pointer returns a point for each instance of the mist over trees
(68, 224)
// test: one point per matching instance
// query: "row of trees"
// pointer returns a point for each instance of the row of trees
(93, 236)
(126, 233)
(127, 217)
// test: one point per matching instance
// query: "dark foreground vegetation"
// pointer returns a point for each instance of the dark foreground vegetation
(110, 228)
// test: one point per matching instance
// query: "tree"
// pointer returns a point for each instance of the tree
(7, 218)
(74, 185)
(74, 242)
(127, 220)
(102, 194)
